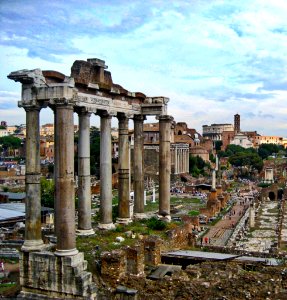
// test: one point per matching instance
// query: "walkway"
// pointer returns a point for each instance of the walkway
(219, 233)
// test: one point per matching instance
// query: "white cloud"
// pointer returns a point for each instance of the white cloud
(211, 58)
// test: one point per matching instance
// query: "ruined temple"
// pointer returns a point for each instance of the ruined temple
(88, 90)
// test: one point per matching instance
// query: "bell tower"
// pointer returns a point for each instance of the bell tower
(236, 123)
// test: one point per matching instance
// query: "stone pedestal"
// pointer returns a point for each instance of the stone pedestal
(113, 264)
(135, 260)
(44, 275)
(152, 250)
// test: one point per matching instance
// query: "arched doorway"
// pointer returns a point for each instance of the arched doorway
(280, 194)
(271, 196)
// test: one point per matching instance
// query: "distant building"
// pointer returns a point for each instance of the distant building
(240, 139)
(199, 150)
(214, 131)
(47, 129)
(264, 139)
(4, 132)
(11, 129)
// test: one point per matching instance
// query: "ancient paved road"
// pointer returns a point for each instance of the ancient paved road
(219, 233)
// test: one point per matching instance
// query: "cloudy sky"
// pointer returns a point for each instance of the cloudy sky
(212, 58)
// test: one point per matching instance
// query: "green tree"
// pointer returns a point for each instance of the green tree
(47, 192)
(266, 150)
(247, 159)
(218, 145)
(196, 165)
(10, 142)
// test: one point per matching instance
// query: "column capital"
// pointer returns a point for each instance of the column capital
(82, 111)
(104, 114)
(32, 106)
(139, 118)
(166, 118)
(122, 116)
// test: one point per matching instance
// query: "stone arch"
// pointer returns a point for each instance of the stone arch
(179, 132)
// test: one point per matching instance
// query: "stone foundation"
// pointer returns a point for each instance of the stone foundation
(113, 264)
(44, 275)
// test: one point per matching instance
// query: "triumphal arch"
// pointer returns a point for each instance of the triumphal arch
(46, 274)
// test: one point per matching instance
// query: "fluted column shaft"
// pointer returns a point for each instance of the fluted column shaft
(138, 165)
(65, 196)
(164, 165)
(84, 175)
(123, 171)
(106, 172)
(33, 236)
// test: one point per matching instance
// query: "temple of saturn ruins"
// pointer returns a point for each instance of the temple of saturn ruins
(89, 90)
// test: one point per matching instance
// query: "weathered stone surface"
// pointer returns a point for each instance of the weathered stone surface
(46, 276)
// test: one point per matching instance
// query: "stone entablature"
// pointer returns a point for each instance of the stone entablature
(90, 86)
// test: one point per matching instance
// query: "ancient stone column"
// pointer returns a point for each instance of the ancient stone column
(123, 171)
(213, 186)
(84, 176)
(175, 161)
(33, 237)
(106, 221)
(269, 176)
(138, 167)
(187, 157)
(65, 196)
(164, 166)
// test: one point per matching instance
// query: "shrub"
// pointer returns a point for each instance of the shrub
(156, 224)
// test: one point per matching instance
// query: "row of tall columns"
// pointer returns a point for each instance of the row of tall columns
(64, 175)
(181, 160)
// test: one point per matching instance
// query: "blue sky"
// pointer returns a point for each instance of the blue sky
(212, 58)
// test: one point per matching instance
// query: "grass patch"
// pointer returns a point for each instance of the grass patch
(193, 213)
(5, 287)
(94, 245)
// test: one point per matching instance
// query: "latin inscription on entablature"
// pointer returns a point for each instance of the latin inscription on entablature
(91, 99)
(106, 103)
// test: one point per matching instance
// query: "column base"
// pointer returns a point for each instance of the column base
(124, 221)
(69, 252)
(108, 226)
(85, 231)
(166, 218)
(33, 245)
(46, 276)
(140, 216)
